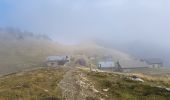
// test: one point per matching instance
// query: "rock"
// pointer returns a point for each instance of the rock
(94, 90)
(135, 78)
(105, 90)
(46, 90)
(139, 79)
(159, 87)
(168, 89)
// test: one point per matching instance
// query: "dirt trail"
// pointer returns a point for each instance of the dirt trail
(74, 86)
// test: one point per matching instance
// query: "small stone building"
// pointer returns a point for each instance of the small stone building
(106, 65)
(109, 66)
(81, 61)
(154, 62)
(54, 61)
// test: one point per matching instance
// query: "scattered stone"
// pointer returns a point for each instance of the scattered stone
(168, 89)
(46, 90)
(94, 90)
(135, 78)
(105, 90)
(159, 87)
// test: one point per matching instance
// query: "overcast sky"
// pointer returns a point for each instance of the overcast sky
(75, 20)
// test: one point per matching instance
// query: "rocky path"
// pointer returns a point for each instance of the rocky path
(75, 86)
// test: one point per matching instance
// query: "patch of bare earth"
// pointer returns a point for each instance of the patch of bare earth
(75, 86)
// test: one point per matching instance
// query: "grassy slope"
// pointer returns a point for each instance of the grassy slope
(152, 71)
(93, 49)
(22, 54)
(17, 55)
(34, 85)
(42, 84)
(122, 88)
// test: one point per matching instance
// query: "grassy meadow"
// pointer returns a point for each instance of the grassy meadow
(41, 84)
(120, 87)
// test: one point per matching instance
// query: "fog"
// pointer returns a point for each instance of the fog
(139, 27)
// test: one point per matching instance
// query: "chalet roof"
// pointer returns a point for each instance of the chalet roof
(106, 63)
(154, 61)
(56, 58)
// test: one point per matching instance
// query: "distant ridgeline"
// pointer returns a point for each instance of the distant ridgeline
(22, 49)
(12, 33)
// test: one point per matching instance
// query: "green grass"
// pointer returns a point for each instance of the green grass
(152, 71)
(122, 88)
(40, 84)
(20, 55)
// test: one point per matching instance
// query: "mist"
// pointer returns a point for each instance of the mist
(84, 49)
(138, 27)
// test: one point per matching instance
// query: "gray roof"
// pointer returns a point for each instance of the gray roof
(154, 61)
(56, 58)
(106, 64)
(132, 64)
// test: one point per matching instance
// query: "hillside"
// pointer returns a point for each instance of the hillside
(123, 86)
(23, 50)
(93, 49)
(80, 84)
(39, 84)
(23, 54)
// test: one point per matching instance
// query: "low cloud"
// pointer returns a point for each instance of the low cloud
(121, 21)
